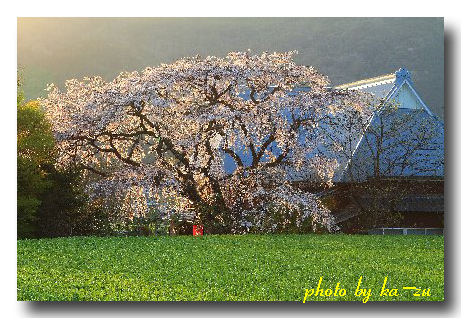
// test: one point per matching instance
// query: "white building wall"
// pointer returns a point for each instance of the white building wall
(407, 99)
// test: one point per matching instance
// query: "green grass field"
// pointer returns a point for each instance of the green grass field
(250, 267)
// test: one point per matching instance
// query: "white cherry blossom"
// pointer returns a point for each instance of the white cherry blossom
(224, 132)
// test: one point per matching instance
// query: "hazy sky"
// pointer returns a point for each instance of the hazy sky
(51, 50)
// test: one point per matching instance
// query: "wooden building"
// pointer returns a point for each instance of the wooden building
(395, 176)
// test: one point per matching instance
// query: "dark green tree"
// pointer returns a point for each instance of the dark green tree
(34, 149)
(62, 204)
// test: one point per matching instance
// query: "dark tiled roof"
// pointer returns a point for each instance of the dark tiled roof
(408, 203)
(415, 149)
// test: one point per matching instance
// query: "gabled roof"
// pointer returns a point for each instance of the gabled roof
(400, 153)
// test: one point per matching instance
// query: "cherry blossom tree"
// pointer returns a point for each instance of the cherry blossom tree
(219, 137)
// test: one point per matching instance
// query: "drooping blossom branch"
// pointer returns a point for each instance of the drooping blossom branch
(223, 132)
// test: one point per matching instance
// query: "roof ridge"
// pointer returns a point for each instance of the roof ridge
(366, 81)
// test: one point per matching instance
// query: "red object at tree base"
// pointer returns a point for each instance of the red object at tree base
(197, 230)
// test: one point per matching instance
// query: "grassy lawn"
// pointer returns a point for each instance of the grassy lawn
(251, 267)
